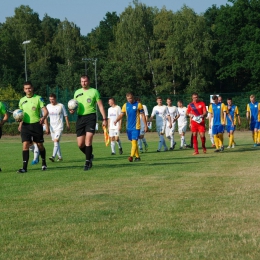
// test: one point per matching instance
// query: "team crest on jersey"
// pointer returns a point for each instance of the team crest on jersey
(255, 105)
(89, 100)
(134, 107)
(218, 107)
(199, 106)
(33, 108)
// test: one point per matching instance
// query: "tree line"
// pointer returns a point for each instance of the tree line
(145, 50)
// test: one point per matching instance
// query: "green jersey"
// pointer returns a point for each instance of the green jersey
(31, 107)
(2, 110)
(87, 100)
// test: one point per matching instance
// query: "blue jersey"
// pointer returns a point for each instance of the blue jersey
(233, 111)
(253, 109)
(217, 110)
(133, 111)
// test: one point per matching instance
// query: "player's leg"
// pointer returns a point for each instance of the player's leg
(34, 148)
(230, 135)
(159, 130)
(195, 143)
(203, 140)
(118, 141)
(25, 156)
(140, 143)
(113, 145)
(135, 135)
(145, 143)
(195, 130)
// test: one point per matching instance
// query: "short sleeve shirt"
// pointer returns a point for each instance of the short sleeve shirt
(2, 110)
(31, 107)
(87, 100)
(133, 111)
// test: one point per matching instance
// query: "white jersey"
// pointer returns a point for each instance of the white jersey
(145, 114)
(112, 114)
(182, 120)
(161, 113)
(173, 111)
(56, 114)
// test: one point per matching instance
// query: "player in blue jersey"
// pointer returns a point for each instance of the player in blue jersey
(133, 109)
(253, 114)
(234, 113)
(218, 112)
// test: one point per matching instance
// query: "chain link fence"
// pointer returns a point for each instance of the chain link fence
(64, 95)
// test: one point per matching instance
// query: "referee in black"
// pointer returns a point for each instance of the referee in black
(35, 114)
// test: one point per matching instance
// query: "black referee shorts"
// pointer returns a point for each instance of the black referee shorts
(32, 132)
(86, 123)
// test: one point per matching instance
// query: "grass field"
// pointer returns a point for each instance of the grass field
(171, 205)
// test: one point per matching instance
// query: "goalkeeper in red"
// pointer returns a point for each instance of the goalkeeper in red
(133, 109)
(197, 112)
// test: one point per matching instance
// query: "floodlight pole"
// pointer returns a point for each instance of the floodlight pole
(25, 67)
(85, 60)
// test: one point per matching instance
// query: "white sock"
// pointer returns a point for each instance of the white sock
(211, 139)
(182, 140)
(160, 142)
(140, 144)
(55, 149)
(59, 151)
(35, 152)
(113, 144)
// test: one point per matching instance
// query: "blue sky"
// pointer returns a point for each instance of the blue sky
(87, 14)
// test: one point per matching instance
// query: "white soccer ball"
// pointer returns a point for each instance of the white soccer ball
(18, 114)
(73, 104)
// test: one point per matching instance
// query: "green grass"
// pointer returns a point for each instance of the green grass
(171, 205)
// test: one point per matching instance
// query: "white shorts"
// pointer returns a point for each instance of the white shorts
(113, 132)
(169, 131)
(182, 128)
(56, 135)
(160, 129)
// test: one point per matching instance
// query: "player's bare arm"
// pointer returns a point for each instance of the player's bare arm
(119, 118)
(67, 123)
(4, 120)
(44, 115)
(145, 122)
(229, 116)
(102, 111)
(210, 117)
(47, 131)
(170, 121)
(239, 120)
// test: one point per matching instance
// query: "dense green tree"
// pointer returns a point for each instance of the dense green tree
(134, 34)
(237, 31)
(190, 46)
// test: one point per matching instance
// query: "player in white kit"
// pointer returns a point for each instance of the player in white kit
(114, 130)
(162, 113)
(57, 113)
(174, 114)
(141, 139)
(182, 123)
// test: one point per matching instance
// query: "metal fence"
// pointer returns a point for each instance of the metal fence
(64, 95)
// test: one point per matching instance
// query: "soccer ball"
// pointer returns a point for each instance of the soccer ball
(18, 114)
(73, 104)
